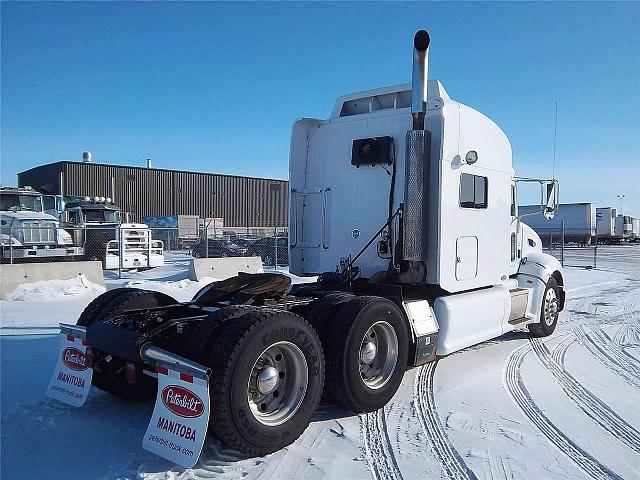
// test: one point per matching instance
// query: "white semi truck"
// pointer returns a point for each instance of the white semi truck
(404, 202)
(29, 229)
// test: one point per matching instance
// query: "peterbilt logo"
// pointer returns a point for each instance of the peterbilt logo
(74, 359)
(182, 402)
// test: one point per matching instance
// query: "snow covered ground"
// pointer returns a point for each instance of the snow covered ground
(562, 407)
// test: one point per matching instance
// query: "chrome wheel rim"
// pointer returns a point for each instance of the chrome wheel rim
(378, 355)
(551, 307)
(277, 383)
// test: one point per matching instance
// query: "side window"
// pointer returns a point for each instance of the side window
(48, 202)
(514, 211)
(514, 246)
(473, 191)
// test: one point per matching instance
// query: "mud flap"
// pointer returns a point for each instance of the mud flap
(71, 380)
(180, 417)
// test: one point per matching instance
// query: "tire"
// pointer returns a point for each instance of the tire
(88, 315)
(366, 387)
(549, 311)
(243, 424)
(206, 332)
(111, 377)
(324, 310)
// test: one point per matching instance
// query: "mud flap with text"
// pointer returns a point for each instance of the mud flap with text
(71, 380)
(180, 418)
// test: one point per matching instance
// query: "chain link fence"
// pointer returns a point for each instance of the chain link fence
(572, 247)
(138, 246)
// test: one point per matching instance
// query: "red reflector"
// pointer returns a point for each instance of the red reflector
(186, 378)
(70, 338)
(130, 372)
(163, 370)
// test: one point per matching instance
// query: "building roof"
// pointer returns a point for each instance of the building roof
(62, 162)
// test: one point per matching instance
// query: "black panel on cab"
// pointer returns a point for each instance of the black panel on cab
(369, 151)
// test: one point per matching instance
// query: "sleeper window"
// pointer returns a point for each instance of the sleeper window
(473, 191)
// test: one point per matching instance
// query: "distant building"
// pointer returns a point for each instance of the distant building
(145, 192)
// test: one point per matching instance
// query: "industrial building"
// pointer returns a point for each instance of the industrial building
(144, 192)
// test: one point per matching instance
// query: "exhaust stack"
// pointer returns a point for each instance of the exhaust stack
(417, 164)
(419, 78)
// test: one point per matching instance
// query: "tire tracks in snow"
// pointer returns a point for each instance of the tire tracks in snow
(377, 446)
(583, 398)
(608, 354)
(446, 454)
(521, 396)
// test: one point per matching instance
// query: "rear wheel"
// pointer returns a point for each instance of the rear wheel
(206, 332)
(268, 375)
(549, 311)
(109, 373)
(367, 353)
(324, 310)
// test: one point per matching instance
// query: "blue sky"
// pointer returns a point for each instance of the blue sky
(216, 86)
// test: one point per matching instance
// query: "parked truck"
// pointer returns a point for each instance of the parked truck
(576, 221)
(97, 223)
(29, 229)
(404, 203)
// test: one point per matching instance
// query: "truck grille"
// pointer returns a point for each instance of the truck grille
(37, 233)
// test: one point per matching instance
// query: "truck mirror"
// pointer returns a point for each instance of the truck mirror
(550, 207)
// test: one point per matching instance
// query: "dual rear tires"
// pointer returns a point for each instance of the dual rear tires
(268, 366)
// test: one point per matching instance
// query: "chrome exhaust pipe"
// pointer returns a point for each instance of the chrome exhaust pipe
(417, 162)
(419, 78)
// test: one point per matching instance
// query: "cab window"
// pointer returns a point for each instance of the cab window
(473, 191)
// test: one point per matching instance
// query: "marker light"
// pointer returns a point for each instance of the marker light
(102, 199)
(87, 199)
(471, 157)
(108, 199)
(96, 199)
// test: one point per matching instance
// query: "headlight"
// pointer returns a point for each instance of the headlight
(6, 240)
(64, 238)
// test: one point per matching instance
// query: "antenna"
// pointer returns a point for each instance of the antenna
(555, 141)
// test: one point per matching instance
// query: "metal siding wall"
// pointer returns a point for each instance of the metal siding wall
(240, 201)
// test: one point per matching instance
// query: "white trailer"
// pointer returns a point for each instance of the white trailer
(635, 232)
(578, 222)
(404, 201)
(624, 227)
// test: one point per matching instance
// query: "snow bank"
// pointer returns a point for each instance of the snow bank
(55, 290)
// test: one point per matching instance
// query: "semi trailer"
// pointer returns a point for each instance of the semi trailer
(403, 202)
(606, 225)
(576, 221)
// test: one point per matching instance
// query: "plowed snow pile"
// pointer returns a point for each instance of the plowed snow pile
(56, 290)
(560, 407)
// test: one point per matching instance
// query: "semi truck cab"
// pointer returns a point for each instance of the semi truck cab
(403, 202)
(97, 223)
(29, 231)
